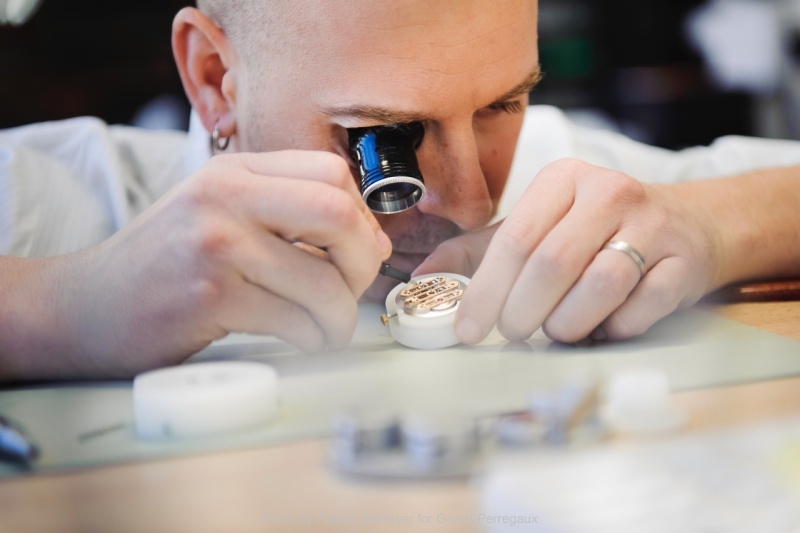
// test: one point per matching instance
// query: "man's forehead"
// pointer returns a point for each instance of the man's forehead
(388, 13)
(375, 25)
(386, 114)
(410, 56)
(399, 60)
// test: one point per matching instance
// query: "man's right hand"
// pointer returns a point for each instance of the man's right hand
(214, 255)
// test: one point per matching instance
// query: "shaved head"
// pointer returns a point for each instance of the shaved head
(253, 25)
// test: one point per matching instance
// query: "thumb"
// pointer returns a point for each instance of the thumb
(460, 255)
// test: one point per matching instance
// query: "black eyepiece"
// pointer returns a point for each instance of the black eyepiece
(390, 178)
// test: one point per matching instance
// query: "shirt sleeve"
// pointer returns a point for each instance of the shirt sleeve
(69, 184)
(548, 135)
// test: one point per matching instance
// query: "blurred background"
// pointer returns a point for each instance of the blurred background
(673, 73)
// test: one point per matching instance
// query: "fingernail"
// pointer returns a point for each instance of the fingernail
(599, 334)
(468, 331)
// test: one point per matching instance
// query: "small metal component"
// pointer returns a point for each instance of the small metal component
(380, 443)
(99, 432)
(385, 318)
(360, 433)
(432, 442)
(439, 293)
(391, 272)
(520, 430)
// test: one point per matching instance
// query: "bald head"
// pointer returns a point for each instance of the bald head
(253, 25)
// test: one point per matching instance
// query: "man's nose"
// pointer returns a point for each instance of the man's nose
(455, 185)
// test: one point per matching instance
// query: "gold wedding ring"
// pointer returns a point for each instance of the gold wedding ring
(630, 251)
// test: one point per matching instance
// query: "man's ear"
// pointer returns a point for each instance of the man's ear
(205, 62)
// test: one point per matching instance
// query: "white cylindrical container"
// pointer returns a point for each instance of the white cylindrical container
(432, 330)
(203, 399)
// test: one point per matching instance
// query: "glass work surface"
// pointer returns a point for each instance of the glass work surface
(86, 424)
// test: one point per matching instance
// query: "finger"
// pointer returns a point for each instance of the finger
(258, 311)
(300, 164)
(296, 276)
(324, 217)
(384, 243)
(555, 266)
(317, 166)
(668, 284)
(544, 203)
(601, 289)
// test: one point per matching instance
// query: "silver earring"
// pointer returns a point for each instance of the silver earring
(218, 143)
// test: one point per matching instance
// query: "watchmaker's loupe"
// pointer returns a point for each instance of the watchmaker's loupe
(390, 177)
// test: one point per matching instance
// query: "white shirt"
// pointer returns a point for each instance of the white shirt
(67, 185)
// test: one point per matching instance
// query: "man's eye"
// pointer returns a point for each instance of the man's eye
(514, 106)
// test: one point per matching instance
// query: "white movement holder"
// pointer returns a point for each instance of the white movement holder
(429, 331)
(204, 398)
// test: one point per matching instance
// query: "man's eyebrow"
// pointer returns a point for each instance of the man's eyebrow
(377, 114)
(523, 87)
(382, 115)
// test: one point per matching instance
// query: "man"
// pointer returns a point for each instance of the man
(236, 245)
